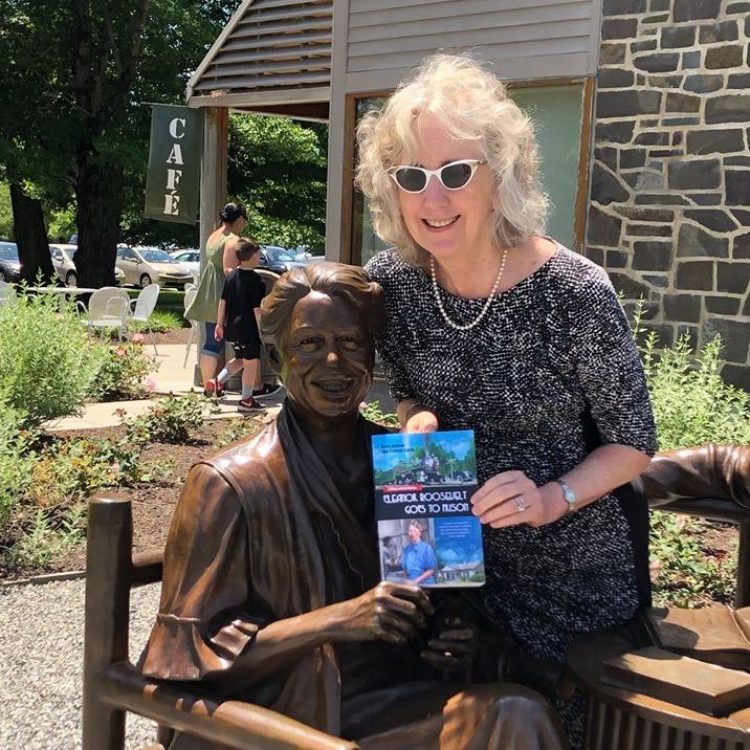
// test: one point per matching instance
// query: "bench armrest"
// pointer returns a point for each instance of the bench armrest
(239, 725)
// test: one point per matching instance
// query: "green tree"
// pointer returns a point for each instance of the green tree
(277, 168)
(76, 75)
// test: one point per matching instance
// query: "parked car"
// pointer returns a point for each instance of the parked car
(279, 259)
(191, 259)
(64, 264)
(150, 265)
(10, 264)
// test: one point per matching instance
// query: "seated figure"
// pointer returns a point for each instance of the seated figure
(271, 588)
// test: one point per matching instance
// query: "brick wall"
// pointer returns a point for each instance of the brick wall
(669, 214)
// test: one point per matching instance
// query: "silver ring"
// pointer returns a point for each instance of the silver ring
(521, 504)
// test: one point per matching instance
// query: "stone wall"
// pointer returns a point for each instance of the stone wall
(669, 214)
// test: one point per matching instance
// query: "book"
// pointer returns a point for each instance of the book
(423, 487)
(717, 635)
(680, 680)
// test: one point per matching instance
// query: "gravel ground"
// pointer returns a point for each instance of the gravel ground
(41, 663)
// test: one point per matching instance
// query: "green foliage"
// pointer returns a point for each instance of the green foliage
(277, 168)
(6, 213)
(17, 461)
(160, 321)
(62, 223)
(692, 406)
(238, 429)
(374, 413)
(68, 471)
(687, 570)
(46, 364)
(122, 373)
(48, 537)
(169, 420)
(57, 142)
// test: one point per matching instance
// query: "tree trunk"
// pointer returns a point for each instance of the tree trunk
(99, 193)
(31, 237)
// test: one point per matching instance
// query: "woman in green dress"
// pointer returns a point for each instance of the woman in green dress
(220, 260)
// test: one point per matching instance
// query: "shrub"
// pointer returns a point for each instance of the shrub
(169, 420)
(68, 471)
(46, 365)
(240, 429)
(48, 537)
(692, 406)
(17, 462)
(122, 373)
(160, 322)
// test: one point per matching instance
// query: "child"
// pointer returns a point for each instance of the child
(237, 320)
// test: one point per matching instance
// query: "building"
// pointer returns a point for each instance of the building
(641, 108)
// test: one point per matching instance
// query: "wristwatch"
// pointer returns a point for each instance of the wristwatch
(568, 495)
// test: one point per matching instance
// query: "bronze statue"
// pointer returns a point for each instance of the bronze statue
(271, 590)
(708, 471)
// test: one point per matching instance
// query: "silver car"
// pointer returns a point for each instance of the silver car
(191, 259)
(64, 265)
(10, 264)
(150, 265)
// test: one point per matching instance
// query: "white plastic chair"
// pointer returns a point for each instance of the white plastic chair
(143, 306)
(190, 293)
(109, 307)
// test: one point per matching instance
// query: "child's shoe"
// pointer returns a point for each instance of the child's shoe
(213, 388)
(248, 405)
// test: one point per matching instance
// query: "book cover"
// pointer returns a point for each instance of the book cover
(426, 531)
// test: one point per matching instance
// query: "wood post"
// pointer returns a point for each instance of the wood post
(108, 579)
(742, 591)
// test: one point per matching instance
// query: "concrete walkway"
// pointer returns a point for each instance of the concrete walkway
(173, 377)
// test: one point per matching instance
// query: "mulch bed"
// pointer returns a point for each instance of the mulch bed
(153, 503)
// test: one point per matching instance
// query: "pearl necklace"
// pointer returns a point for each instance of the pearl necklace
(487, 304)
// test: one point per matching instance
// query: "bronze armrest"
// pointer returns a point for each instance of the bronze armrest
(711, 481)
(719, 472)
(242, 726)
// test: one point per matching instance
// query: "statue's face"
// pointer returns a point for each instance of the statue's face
(327, 362)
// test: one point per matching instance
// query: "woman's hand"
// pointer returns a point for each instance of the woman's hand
(421, 421)
(391, 612)
(510, 498)
(219, 332)
(454, 648)
(413, 417)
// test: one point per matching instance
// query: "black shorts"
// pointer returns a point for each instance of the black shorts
(246, 351)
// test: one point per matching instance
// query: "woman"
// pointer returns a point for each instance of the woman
(220, 261)
(495, 327)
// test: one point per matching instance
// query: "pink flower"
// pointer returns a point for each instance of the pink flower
(120, 352)
(150, 384)
(137, 338)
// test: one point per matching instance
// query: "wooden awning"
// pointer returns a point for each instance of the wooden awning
(273, 57)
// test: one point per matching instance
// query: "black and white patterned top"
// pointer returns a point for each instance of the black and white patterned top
(551, 350)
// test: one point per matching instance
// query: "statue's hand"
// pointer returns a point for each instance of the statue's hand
(454, 647)
(391, 612)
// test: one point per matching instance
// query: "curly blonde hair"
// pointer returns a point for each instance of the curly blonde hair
(472, 104)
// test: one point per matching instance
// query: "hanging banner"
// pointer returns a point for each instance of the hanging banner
(174, 164)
